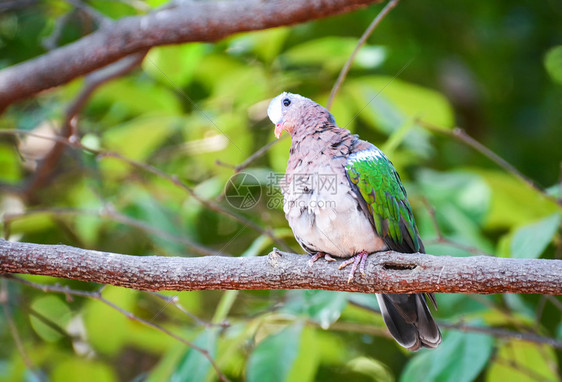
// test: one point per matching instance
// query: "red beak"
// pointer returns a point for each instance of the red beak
(278, 130)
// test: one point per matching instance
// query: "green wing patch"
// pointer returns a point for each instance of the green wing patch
(379, 185)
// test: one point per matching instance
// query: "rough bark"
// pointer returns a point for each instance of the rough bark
(185, 22)
(389, 272)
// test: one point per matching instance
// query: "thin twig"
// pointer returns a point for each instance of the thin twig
(111, 214)
(555, 302)
(96, 295)
(433, 216)
(503, 333)
(205, 202)
(560, 185)
(93, 13)
(155, 171)
(14, 331)
(455, 244)
(173, 300)
(539, 311)
(257, 154)
(494, 332)
(50, 323)
(242, 166)
(441, 238)
(69, 130)
(522, 369)
(247, 162)
(51, 42)
(504, 310)
(343, 73)
(463, 137)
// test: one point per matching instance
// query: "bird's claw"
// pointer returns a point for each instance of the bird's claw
(319, 255)
(357, 261)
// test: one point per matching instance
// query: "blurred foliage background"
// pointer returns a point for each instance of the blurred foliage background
(196, 110)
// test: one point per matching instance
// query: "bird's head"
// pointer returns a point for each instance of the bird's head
(295, 113)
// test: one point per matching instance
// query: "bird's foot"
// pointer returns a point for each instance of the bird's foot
(319, 255)
(357, 261)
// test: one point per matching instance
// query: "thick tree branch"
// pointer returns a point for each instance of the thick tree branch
(189, 22)
(389, 272)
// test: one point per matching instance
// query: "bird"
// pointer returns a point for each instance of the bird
(343, 198)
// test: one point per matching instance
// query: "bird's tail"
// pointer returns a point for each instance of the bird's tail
(409, 321)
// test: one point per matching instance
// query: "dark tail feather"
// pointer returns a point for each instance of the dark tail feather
(409, 321)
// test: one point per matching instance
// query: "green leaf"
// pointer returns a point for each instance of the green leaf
(82, 195)
(398, 100)
(108, 329)
(553, 63)
(224, 77)
(372, 368)
(555, 191)
(531, 362)
(309, 357)
(265, 44)
(167, 363)
(462, 202)
(278, 154)
(77, 369)
(129, 97)
(139, 138)
(516, 303)
(194, 366)
(457, 306)
(324, 306)
(9, 164)
(321, 306)
(337, 49)
(460, 358)
(530, 241)
(174, 65)
(148, 209)
(389, 104)
(513, 201)
(466, 191)
(54, 310)
(272, 359)
(114, 9)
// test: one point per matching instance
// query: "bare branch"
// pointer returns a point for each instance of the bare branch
(14, 5)
(343, 73)
(463, 137)
(14, 331)
(388, 272)
(209, 204)
(189, 22)
(109, 213)
(464, 327)
(96, 295)
(174, 301)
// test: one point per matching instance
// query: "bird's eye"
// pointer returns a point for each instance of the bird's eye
(286, 102)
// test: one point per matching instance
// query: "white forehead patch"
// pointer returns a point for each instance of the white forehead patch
(275, 109)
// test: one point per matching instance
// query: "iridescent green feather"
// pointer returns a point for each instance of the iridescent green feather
(380, 186)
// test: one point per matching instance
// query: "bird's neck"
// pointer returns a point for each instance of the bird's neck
(319, 134)
(314, 144)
